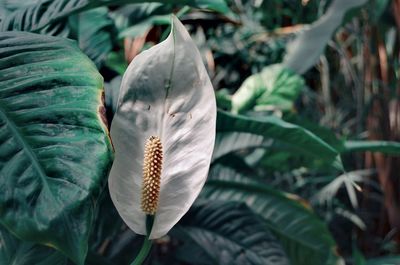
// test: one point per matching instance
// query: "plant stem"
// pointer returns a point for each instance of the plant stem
(144, 251)
(146, 246)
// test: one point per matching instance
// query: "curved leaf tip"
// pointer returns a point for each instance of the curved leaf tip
(165, 92)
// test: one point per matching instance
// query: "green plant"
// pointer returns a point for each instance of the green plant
(288, 181)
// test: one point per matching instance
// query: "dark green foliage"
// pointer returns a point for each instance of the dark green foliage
(217, 232)
(294, 101)
(55, 149)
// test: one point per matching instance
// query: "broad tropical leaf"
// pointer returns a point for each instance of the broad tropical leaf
(387, 260)
(111, 91)
(227, 233)
(94, 34)
(386, 147)
(274, 87)
(135, 20)
(277, 129)
(55, 152)
(306, 239)
(165, 93)
(36, 17)
(228, 142)
(225, 172)
(18, 252)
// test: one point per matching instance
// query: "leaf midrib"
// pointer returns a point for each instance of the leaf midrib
(28, 150)
(282, 233)
(219, 235)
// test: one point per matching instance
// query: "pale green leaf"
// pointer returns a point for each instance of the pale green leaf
(273, 88)
(387, 260)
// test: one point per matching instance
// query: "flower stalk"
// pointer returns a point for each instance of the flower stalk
(147, 243)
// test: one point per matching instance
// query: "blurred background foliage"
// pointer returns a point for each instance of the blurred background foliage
(306, 162)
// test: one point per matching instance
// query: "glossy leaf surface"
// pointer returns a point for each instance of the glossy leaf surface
(306, 239)
(15, 251)
(274, 87)
(386, 147)
(227, 233)
(275, 128)
(228, 142)
(54, 147)
(36, 17)
(94, 34)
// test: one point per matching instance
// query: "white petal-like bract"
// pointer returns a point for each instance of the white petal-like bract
(167, 93)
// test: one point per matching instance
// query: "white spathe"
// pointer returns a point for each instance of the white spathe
(165, 92)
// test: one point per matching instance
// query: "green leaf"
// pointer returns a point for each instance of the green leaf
(386, 147)
(116, 62)
(226, 172)
(306, 239)
(18, 252)
(275, 128)
(228, 142)
(136, 19)
(274, 87)
(35, 17)
(142, 27)
(224, 99)
(94, 34)
(216, 5)
(358, 257)
(227, 233)
(388, 260)
(13, 5)
(111, 90)
(305, 50)
(322, 132)
(55, 152)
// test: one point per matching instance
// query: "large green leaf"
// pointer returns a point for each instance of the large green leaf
(228, 142)
(227, 233)
(274, 87)
(15, 251)
(94, 34)
(36, 17)
(305, 238)
(13, 5)
(277, 129)
(386, 147)
(387, 260)
(322, 132)
(54, 147)
(136, 19)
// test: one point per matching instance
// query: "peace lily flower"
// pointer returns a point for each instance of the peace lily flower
(163, 133)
